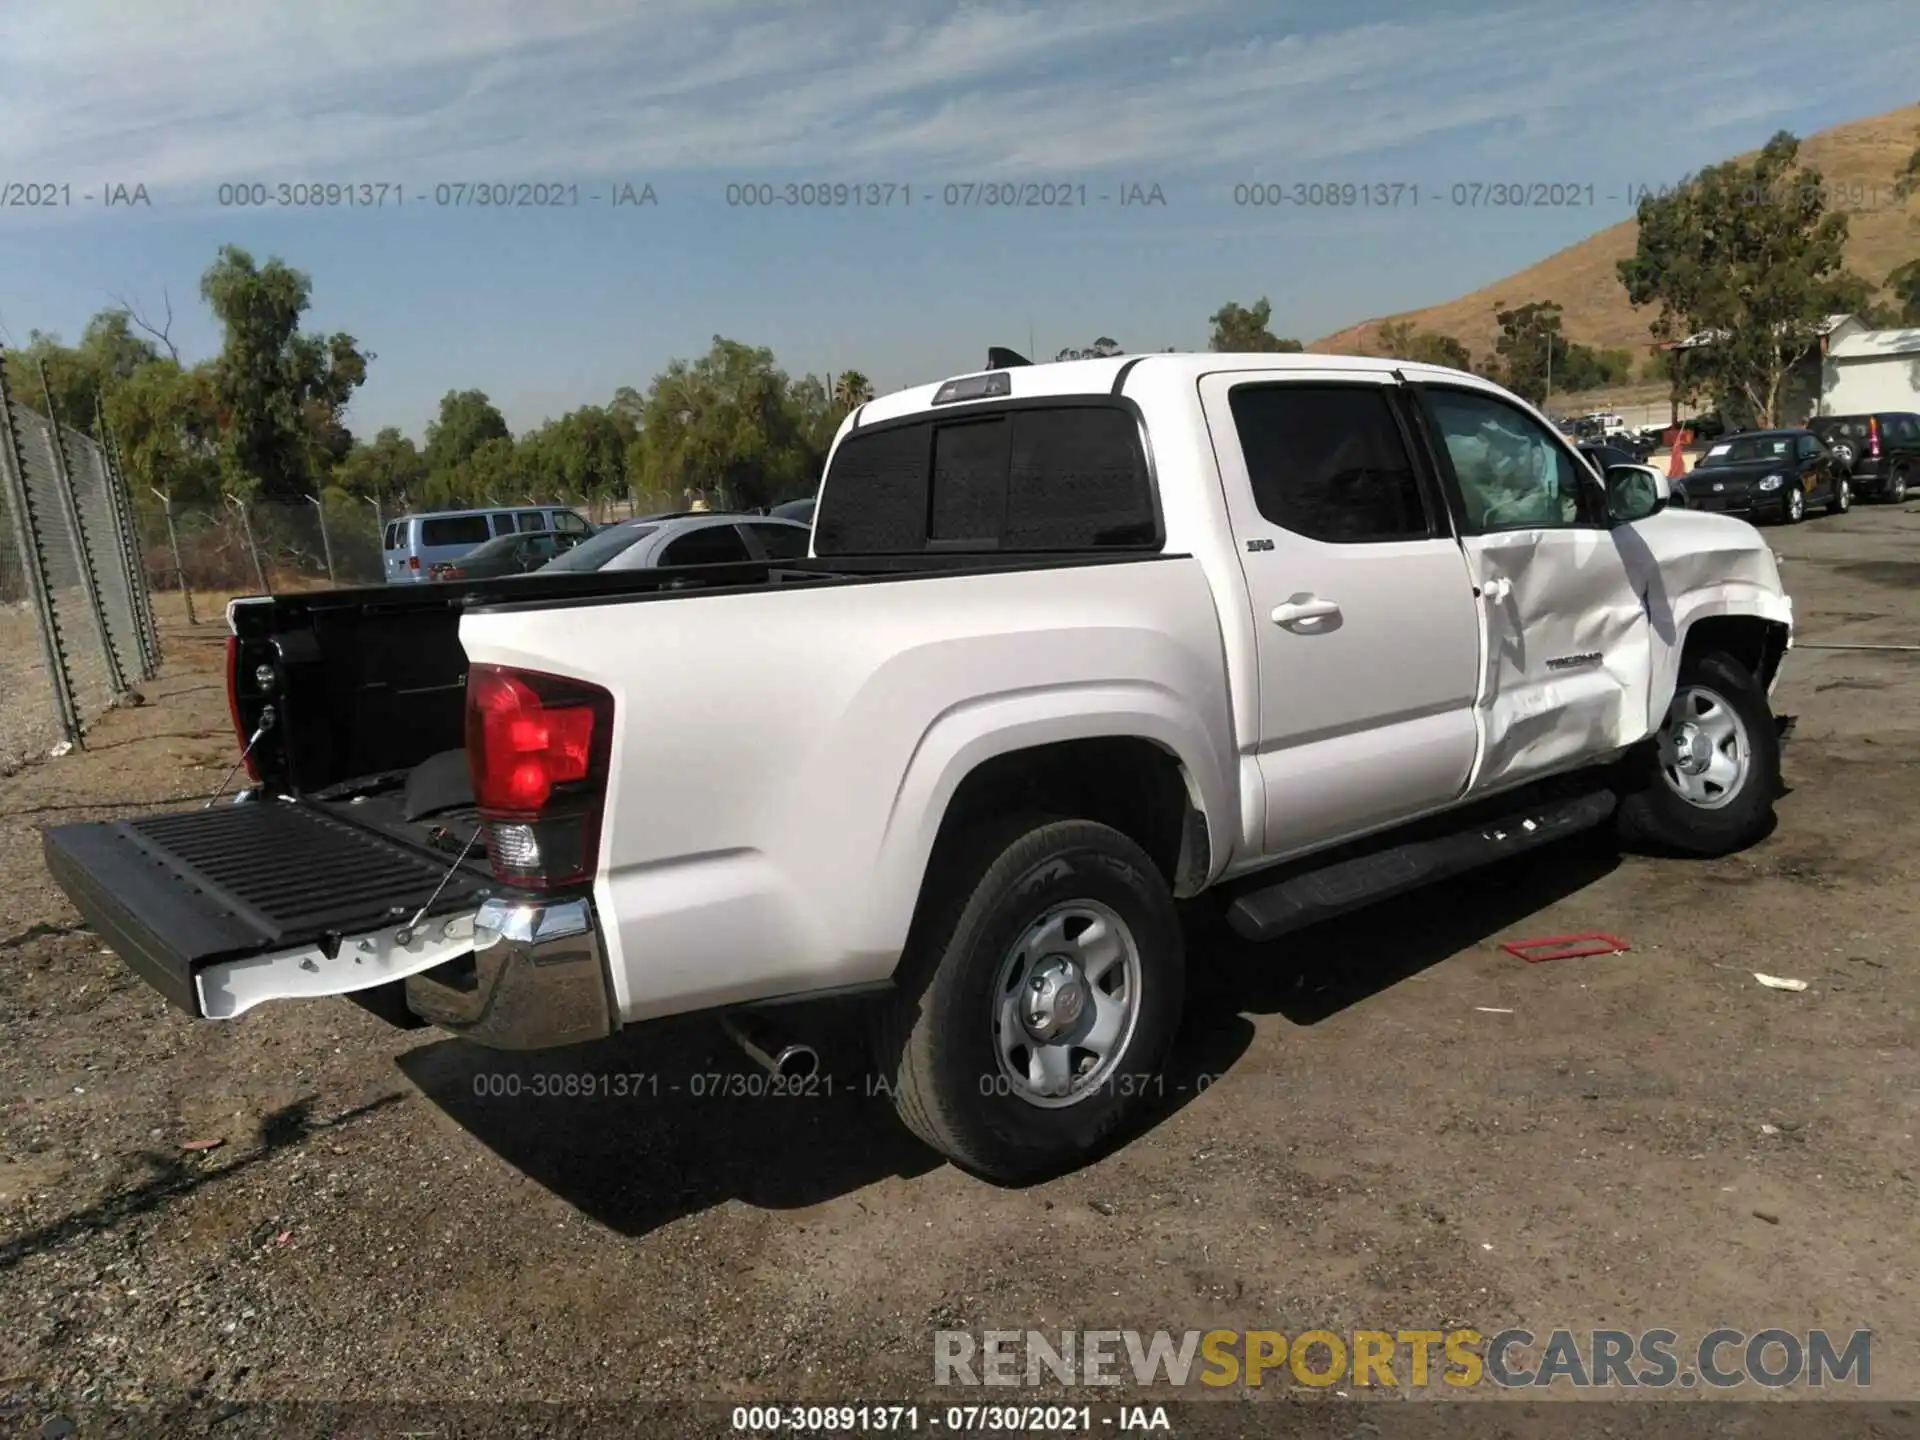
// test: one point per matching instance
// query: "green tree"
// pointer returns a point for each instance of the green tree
(1530, 347)
(1398, 340)
(282, 394)
(1239, 329)
(166, 422)
(1746, 255)
(493, 473)
(726, 425)
(582, 456)
(390, 469)
(1102, 349)
(467, 420)
(1904, 282)
(851, 390)
(80, 376)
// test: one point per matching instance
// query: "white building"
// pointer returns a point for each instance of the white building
(1870, 370)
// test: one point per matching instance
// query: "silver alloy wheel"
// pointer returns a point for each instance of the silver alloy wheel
(1065, 1004)
(1897, 486)
(1705, 755)
(1796, 503)
(1845, 496)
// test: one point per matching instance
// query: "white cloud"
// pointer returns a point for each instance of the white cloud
(183, 96)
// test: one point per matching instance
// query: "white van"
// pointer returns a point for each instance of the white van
(413, 544)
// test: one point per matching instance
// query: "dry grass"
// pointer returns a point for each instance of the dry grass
(1862, 153)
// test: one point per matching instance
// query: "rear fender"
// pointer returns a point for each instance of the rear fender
(970, 734)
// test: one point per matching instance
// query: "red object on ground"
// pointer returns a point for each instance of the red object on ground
(1566, 947)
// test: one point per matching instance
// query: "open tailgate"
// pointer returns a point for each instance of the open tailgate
(220, 909)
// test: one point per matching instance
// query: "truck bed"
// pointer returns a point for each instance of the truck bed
(173, 894)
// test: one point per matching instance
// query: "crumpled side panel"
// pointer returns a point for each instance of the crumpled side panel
(1568, 653)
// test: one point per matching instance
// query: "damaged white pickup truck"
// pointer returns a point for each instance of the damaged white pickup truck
(1074, 640)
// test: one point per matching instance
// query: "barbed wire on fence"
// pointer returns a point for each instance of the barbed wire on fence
(76, 622)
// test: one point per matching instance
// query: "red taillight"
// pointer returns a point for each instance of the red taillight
(233, 705)
(1873, 436)
(413, 562)
(537, 747)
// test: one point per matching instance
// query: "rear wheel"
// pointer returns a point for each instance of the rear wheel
(1715, 767)
(1895, 492)
(1842, 500)
(1037, 998)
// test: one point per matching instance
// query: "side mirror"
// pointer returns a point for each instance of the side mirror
(1635, 492)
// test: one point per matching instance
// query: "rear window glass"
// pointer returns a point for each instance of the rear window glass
(392, 541)
(1079, 481)
(592, 554)
(454, 530)
(1053, 478)
(1844, 429)
(1747, 449)
(969, 486)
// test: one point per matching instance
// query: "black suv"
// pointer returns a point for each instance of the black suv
(1881, 452)
(1770, 475)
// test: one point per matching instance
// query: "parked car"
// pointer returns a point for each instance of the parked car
(413, 544)
(801, 510)
(702, 539)
(514, 554)
(1880, 452)
(1772, 475)
(1295, 632)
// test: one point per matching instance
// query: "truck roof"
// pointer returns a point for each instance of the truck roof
(1101, 376)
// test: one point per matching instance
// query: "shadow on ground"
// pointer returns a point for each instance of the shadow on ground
(172, 1175)
(668, 1119)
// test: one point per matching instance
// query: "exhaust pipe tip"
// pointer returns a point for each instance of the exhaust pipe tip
(797, 1062)
(784, 1059)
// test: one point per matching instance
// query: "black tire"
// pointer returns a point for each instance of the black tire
(1654, 816)
(1793, 505)
(1894, 490)
(1842, 499)
(935, 1040)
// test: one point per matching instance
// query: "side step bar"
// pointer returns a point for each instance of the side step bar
(1320, 894)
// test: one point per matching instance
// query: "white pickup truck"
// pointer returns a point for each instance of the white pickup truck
(1073, 640)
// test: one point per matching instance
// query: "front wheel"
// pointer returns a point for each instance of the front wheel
(1794, 506)
(1037, 998)
(1715, 766)
(1842, 500)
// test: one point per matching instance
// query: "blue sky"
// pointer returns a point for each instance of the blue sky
(546, 309)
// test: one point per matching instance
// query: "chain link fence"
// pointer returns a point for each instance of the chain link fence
(81, 556)
(76, 620)
(262, 546)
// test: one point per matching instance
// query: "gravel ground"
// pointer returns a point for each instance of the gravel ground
(1385, 1123)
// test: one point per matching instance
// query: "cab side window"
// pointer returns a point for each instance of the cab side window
(1327, 462)
(1512, 473)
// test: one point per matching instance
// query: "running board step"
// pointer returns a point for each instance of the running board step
(1305, 899)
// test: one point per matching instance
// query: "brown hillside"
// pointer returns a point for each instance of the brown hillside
(1859, 159)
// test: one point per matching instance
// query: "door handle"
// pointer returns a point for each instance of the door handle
(1304, 612)
(1497, 589)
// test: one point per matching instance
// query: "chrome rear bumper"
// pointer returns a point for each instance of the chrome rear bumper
(536, 979)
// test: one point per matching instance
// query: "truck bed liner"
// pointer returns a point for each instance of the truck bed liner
(173, 893)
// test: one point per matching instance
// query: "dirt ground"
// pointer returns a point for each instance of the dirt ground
(1384, 1123)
